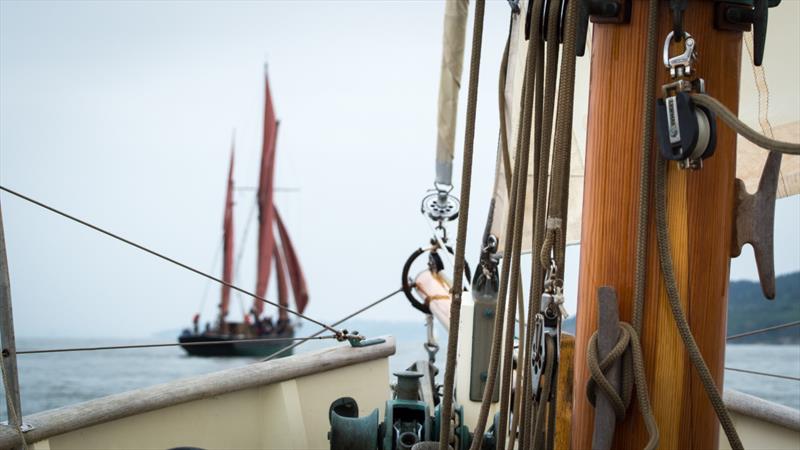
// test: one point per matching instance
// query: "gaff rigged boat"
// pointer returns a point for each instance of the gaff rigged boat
(257, 334)
(664, 207)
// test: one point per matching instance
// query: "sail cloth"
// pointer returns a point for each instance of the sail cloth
(227, 243)
(280, 275)
(455, 27)
(299, 289)
(266, 212)
(781, 61)
(775, 115)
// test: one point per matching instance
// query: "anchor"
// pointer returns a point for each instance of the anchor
(754, 222)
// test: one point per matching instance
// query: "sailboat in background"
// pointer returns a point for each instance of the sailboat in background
(274, 248)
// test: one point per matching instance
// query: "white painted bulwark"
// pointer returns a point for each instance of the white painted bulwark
(280, 404)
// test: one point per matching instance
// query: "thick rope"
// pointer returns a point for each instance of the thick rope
(508, 178)
(544, 128)
(461, 237)
(521, 184)
(505, 274)
(556, 226)
(742, 129)
(667, 270)
(632, 365)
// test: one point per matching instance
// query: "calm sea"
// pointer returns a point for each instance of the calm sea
(54, 380)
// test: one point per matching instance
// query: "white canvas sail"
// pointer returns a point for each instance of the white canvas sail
(780, 107)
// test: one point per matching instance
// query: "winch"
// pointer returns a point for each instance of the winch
(408, 418)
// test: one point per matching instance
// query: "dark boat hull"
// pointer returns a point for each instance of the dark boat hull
(254, 348)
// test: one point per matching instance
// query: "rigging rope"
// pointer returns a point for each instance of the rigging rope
(773, 145)
(667, 270)
(763, 330)
(165, 258)
(239, 256)
(168, 344)
(207, 287)
(461, 237)
(337, 323)
(512, 188)
(514, 230)
(544, 94)
(633, 371)
(773, 375)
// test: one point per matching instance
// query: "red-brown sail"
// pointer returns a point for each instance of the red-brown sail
(266, 214)
(228, 243)
(293, 265)
(280, 275)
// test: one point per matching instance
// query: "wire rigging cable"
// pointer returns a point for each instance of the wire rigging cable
(763, 330)
(168, 344)
(337, 323)
(764, 374)
(166, 258)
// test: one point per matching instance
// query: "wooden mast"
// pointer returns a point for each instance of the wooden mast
(700, 213)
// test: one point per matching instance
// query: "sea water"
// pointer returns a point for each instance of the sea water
(54, 380)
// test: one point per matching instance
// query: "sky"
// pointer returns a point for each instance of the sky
(123, 113)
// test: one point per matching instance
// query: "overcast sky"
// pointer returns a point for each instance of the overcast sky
(122, 113)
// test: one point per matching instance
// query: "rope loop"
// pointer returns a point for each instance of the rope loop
(552, 240)
(598, 369)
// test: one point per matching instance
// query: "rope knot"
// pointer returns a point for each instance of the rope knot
(598, 370)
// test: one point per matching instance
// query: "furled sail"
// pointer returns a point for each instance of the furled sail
(768, 102)
(455, 27)
(228, 243)
(266, 212)
(299, 289)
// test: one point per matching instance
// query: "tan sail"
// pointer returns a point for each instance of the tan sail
(455, 28)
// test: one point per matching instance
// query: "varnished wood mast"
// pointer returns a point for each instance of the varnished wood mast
(700, 205)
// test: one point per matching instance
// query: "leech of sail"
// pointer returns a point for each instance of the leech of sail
(164, 257)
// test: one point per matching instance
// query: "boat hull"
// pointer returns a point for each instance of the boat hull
(257, 347)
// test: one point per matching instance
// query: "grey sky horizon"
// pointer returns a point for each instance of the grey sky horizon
(122, 114)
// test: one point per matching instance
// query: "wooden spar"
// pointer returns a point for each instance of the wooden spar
(9, 348)
(700, 213)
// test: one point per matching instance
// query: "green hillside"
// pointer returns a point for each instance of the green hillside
(749, 310)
